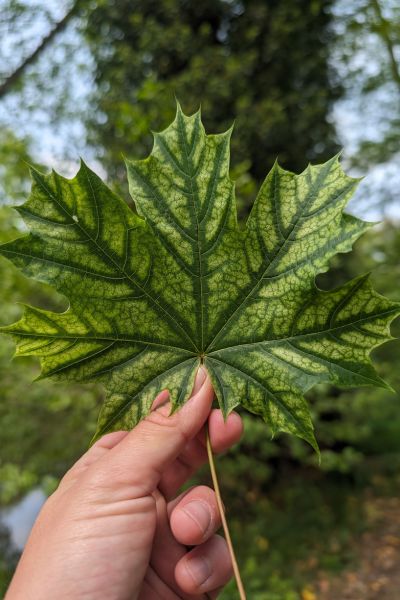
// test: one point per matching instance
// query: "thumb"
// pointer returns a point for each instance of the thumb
(141, 457)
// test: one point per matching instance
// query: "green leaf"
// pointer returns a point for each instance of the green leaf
(154, 294)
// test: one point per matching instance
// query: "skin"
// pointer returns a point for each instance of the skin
(114, 530)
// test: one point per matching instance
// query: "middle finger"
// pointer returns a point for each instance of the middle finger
(195, 517)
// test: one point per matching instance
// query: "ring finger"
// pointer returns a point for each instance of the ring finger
(205, 568)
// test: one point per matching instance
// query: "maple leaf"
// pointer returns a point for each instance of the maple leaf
(154, 294)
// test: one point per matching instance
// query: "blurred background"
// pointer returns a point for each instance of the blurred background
(302, 79)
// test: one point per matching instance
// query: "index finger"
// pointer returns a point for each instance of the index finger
(142, 456)
(223, 434)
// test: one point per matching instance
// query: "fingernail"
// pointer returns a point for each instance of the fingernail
(199, 380)
(200, 513)
(160, 400)
(199, 569)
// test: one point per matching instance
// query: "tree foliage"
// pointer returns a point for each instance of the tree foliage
(264, 64)
(367, 50)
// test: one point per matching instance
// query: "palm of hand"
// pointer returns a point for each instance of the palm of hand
(112, 531)
(152, 532)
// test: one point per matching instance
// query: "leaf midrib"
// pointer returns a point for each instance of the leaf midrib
(309, 334)
(96, 338)
(198, 242)
(268, 391)
(274, 259)
(103, 253)
(131, 399)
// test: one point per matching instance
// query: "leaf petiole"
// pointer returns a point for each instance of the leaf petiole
(238, 579)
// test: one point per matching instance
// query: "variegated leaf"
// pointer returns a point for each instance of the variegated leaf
(154, 294)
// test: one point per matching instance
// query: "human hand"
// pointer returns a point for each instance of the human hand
(112, 529)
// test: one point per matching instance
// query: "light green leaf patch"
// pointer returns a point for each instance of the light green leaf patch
(154, 294)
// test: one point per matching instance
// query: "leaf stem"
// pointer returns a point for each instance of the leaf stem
(242, 593)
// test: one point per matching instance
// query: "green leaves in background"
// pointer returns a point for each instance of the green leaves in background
(154, 294)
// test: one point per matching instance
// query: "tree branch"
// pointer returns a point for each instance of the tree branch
(7, 85)
(387, 40)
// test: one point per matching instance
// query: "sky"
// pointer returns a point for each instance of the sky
(55, 144)
(59, 145)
